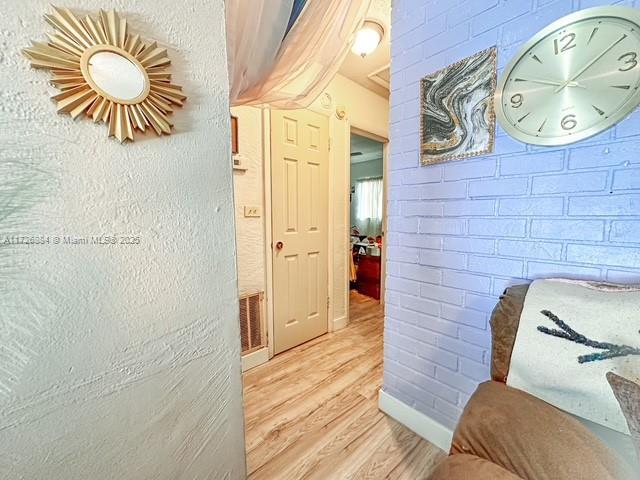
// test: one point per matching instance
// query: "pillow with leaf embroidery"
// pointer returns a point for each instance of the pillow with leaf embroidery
(564, 347)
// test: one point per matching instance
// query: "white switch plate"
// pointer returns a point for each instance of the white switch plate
(252, 211)
(239, 162)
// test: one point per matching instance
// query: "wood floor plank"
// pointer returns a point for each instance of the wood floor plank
(419, 463)
(282, 438)
(320, 446)
(352, 451)
(304, 370)
(382, 461)
(305, 401)
(311, 412)
(310, 372)
(370, 384)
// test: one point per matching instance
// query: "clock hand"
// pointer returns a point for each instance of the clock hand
(588, 65)
(551, 82)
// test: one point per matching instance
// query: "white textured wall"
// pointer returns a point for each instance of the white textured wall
(249, 191)
(119, 362)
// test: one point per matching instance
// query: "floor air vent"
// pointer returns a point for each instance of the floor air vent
(252, 327)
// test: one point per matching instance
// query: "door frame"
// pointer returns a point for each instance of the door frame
(383, 254)
(268, 228)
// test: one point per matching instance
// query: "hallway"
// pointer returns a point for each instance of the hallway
(312, 412)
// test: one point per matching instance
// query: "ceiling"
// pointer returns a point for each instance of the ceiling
(376, 65)
(369, 149)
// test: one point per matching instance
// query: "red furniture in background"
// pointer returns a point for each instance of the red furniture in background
(368, 282)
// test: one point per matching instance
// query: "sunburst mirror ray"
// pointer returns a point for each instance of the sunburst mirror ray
(70, 56)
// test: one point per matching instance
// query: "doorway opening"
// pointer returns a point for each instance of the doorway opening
(366, 231)
(310, 217)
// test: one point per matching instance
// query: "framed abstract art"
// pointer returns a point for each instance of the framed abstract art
(457, 118)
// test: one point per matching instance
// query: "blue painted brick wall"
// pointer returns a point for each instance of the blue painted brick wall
(460, 232)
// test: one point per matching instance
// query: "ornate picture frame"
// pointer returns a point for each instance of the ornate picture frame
(457, 117)
(71, 55)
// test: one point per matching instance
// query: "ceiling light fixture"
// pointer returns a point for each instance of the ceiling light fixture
(367, 38)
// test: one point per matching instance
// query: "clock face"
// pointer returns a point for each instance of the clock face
(574, 79)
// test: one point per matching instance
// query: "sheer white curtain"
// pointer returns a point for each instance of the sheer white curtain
(289, 73)
(369, 206)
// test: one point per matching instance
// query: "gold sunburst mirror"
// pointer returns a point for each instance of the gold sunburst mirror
(107, 73)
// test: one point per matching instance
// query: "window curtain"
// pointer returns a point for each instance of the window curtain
(288, 66)
(369, 206)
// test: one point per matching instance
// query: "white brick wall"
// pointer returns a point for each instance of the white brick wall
(461, 232)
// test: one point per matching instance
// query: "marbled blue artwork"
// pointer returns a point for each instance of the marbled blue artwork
(457, 117)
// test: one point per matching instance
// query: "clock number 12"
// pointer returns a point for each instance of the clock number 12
(565, 43)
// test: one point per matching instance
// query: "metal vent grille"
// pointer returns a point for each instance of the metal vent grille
(252, 328)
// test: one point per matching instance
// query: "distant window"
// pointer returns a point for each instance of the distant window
(369, 198)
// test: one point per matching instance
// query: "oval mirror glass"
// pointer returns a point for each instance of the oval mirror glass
(116, 75)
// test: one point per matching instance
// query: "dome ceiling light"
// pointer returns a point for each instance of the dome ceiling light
(367, 38)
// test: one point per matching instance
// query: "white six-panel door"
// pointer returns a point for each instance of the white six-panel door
(299, 176)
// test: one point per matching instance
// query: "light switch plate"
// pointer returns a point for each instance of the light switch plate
(252, 211)
(239, 162)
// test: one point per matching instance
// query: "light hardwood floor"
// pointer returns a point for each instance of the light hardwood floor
(311, 412)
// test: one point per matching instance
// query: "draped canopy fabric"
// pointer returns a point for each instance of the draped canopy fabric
(255, 29)
(288, 66)
(298, 6)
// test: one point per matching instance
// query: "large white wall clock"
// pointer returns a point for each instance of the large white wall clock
(573, 79)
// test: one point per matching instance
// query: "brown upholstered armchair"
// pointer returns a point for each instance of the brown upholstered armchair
(505, 433)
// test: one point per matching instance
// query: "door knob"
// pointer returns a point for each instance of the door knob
(279, 246)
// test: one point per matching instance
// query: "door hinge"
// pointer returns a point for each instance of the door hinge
(329, 142)
(328, 302)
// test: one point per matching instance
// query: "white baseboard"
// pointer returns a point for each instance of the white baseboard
(416, 421)
(254, 359)
(339, 323)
